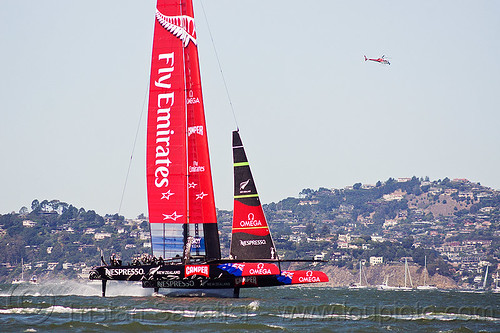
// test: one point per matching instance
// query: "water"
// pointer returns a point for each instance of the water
(70, 306)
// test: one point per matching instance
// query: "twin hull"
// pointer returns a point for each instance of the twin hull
(209, 276)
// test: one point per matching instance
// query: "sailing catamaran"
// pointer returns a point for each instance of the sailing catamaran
(182, 215)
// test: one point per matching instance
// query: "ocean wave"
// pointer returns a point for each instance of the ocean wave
(254, 305)
(444, 317)
(49, 310)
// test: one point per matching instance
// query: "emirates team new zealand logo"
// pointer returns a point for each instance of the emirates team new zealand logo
(181, 27)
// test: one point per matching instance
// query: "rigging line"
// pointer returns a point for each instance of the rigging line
(133, 148)
(220, 67)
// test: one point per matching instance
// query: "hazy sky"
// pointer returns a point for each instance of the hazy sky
(311, 112)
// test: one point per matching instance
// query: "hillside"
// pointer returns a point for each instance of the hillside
(452, 223)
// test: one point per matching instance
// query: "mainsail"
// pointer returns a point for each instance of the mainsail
(179, 183)
(251, 238)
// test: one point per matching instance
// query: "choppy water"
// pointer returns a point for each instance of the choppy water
(77, 307)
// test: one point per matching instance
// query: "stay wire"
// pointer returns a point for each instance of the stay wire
(133, 148)
(220, 67)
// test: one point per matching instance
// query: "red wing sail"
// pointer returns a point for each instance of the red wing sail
(251, 238)
(201, 203)
(180, 192)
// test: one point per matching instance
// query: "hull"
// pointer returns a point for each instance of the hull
(183, 277)
(222, 279)
(426, 288)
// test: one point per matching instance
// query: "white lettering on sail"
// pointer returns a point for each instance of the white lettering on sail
(163, 132)
(196, 168)
(169, 58)
(193, 100)
(251, 222)
(253, 242)
(195, 130)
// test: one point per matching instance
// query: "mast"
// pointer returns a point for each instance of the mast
(360, 273)
(406, 269)
(425, 266)
(485, 277)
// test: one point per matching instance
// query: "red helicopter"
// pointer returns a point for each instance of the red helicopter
(381, 60)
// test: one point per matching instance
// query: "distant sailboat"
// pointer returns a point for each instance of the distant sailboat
(497, 288)
(426, 273)
(407, 277)
(407, 286)
(360, 284)
(19, 281)
(385, 285)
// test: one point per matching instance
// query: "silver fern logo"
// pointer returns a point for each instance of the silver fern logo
(243, 186)
(181, 27)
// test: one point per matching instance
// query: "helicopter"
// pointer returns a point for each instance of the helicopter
(381, 60)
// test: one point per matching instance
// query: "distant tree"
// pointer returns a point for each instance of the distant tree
(118, 217)
(44, 205)
(35, 206)
(305, 193)
(24, 210)
(69, 213)
(325, 230)
(309, 229)
(357, 186)
(90, 215)
(407, 242)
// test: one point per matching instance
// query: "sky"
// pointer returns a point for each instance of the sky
(312, 113)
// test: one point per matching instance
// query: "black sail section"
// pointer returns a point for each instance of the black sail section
(212, 238)
(251, 238)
